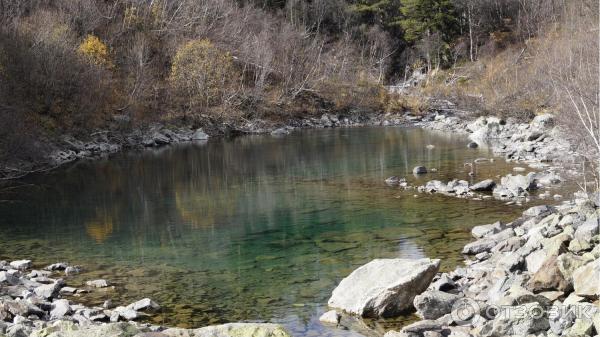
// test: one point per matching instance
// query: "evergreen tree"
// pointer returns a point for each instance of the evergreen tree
(385, 13)
(422, 18)
(431, 23)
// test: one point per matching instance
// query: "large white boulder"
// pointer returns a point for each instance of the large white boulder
(384, 287)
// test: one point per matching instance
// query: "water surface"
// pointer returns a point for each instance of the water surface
(256, 228)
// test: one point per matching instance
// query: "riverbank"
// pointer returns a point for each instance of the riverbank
(120, 136)
(529, 142)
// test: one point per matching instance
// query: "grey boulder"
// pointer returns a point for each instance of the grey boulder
(199, 135)
(384, 287)
(434, 304)
(482, 186)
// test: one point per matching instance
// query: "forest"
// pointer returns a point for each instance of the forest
(71, 66)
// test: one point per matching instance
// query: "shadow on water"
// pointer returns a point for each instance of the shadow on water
(256, 228)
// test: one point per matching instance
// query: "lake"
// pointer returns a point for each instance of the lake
(254, 228)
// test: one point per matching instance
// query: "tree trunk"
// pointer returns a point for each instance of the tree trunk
(470, 13)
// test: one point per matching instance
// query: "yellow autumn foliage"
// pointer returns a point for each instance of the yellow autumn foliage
(201, 72)
(95, 51)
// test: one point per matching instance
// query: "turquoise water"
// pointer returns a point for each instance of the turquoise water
(256, 228)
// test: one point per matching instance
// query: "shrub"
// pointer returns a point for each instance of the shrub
(201, 74)
(95, 51)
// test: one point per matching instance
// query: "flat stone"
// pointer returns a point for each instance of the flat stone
(422, 326)
(67, 291)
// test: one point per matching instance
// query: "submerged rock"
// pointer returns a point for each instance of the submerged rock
(419, 170)
(384, 287)
(57, 266)
(100, 283)
(392, 181)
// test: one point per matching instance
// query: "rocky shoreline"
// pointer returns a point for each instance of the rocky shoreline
(119, 138)
(37, 302)
(538, 275)
(538, 144)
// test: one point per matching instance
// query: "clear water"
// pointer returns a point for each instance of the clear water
(256, 228)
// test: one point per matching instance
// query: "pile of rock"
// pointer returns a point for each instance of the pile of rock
(536, 276)
(35, 302)
(538, 140)
(33, 298)
(454, 187)
(519, 186)
(511, 187)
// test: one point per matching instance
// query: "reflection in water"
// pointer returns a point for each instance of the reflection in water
(100, 227)
(254, 228)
